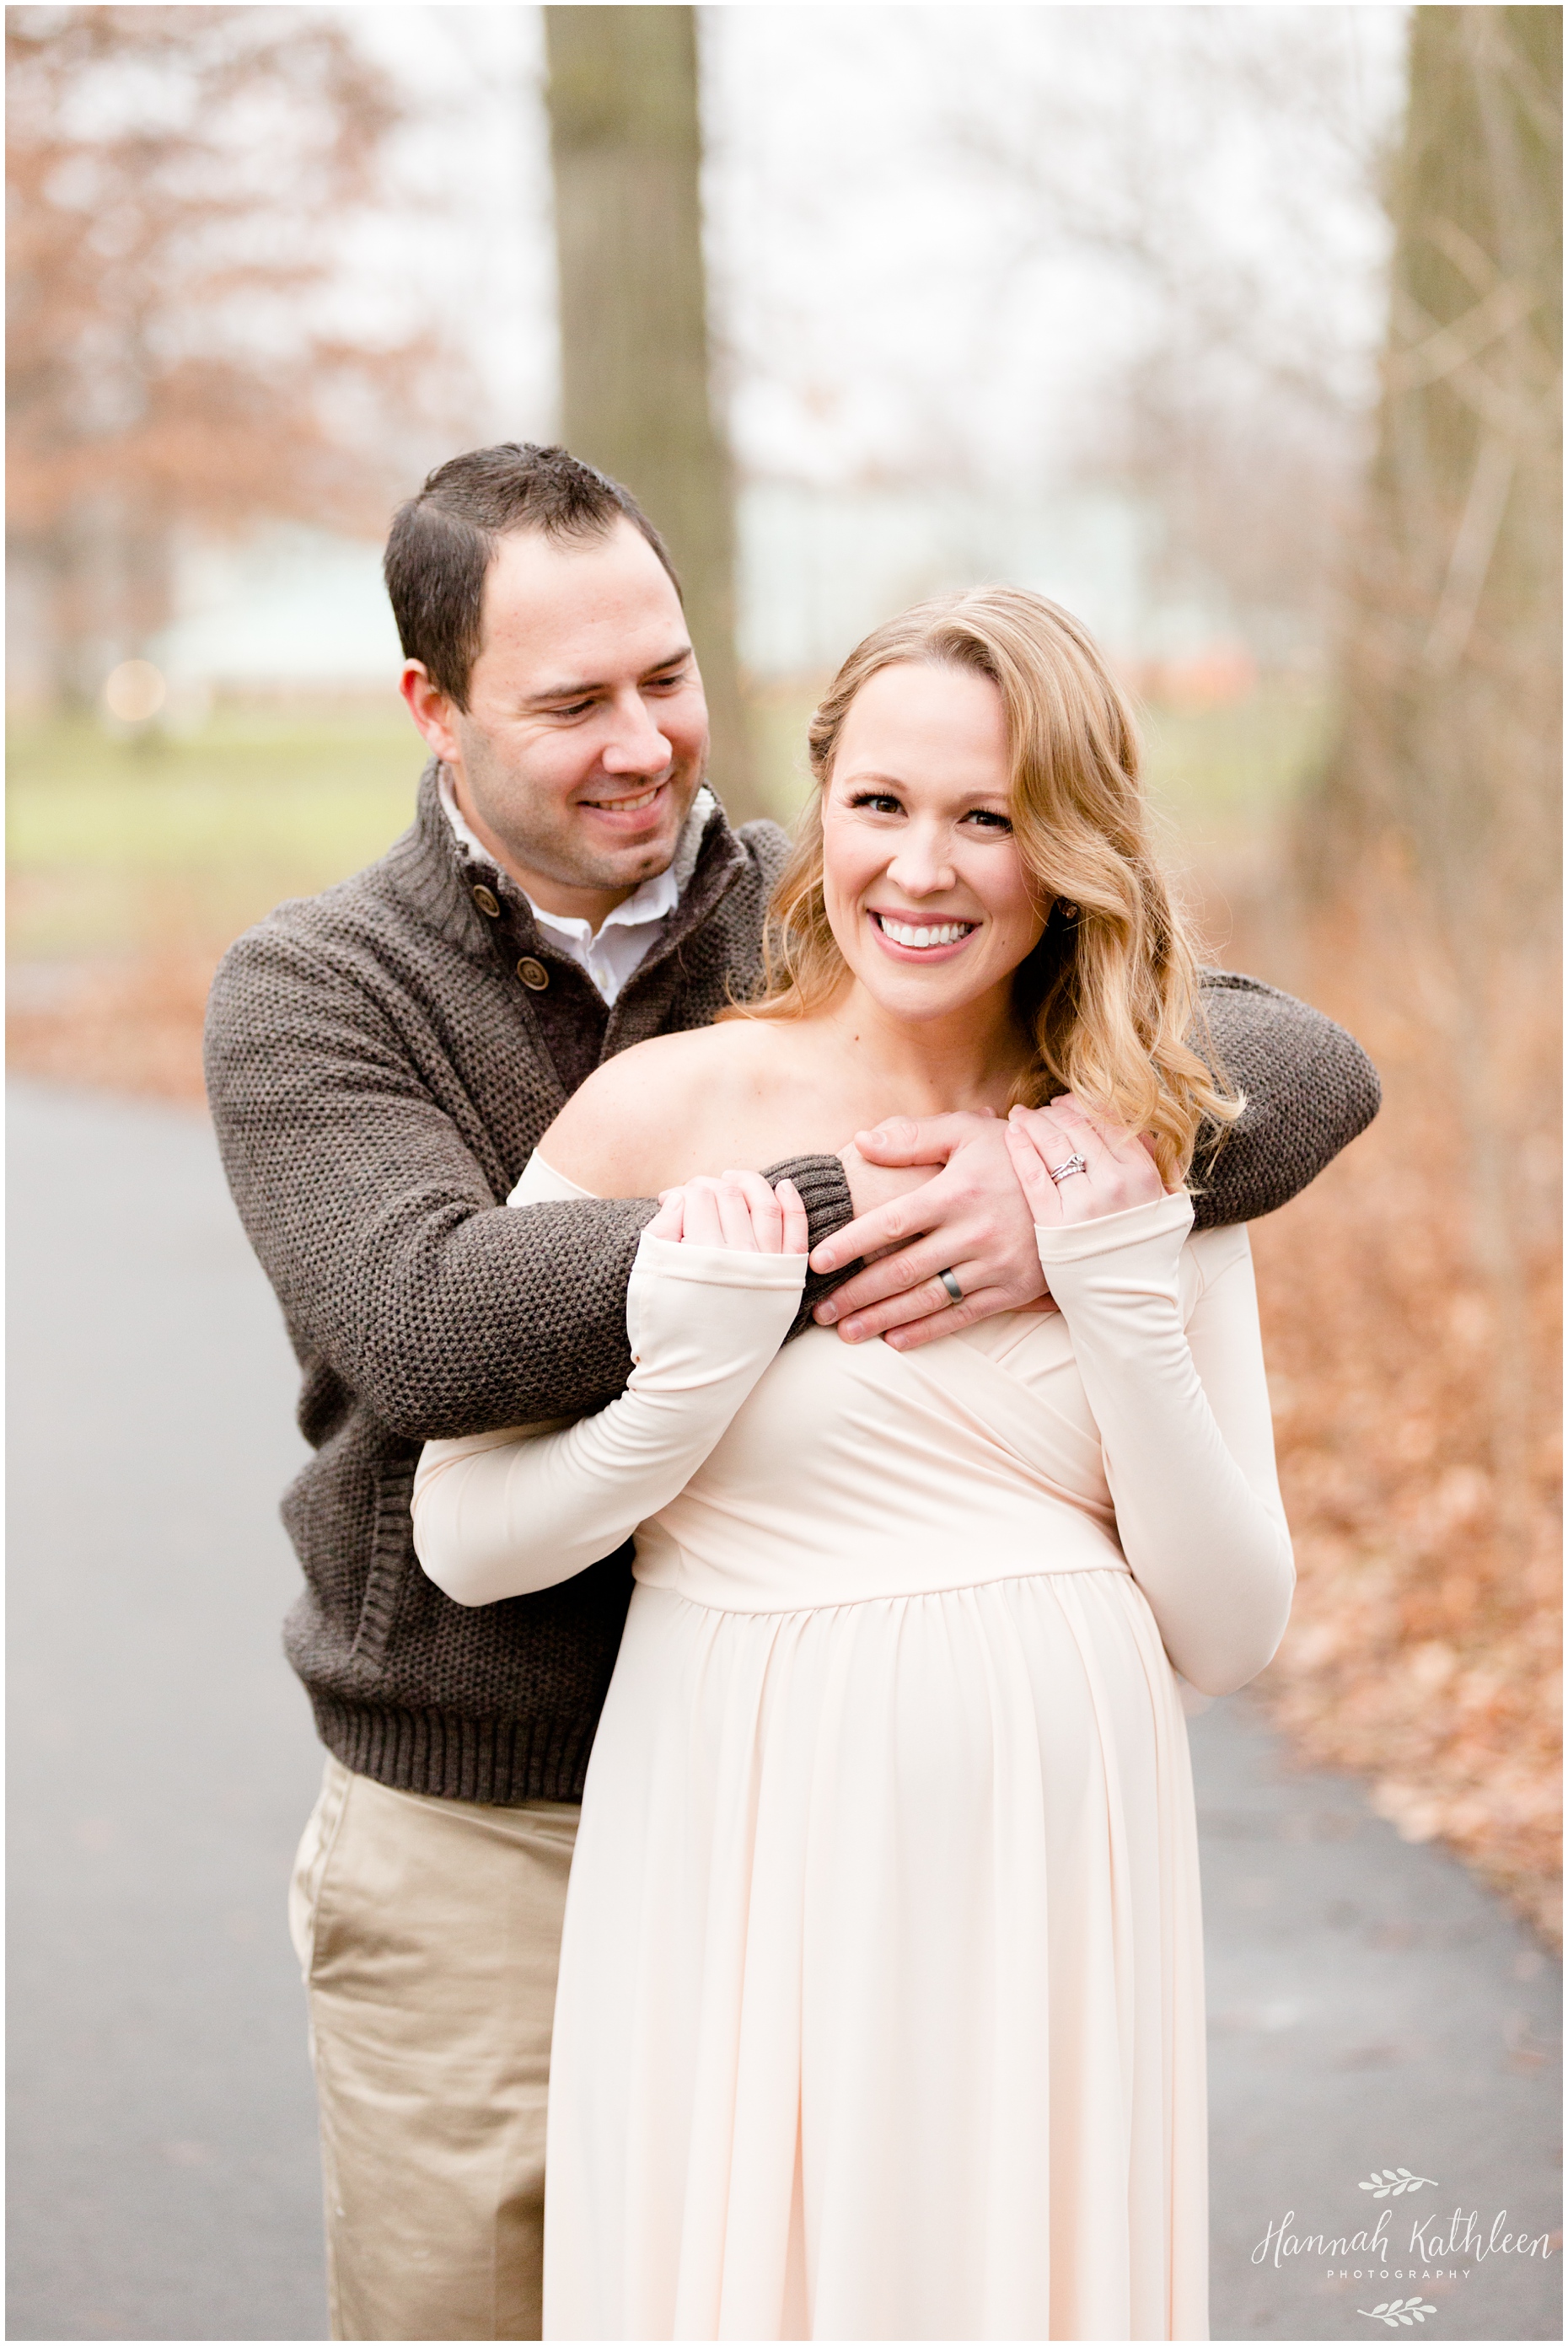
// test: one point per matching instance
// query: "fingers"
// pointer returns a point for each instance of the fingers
(972, 1218)
(917, 1305)
(911, 1272)
(1079, 1117)
(1028, 1147)
(1052, 1136)
(917, 1140)
(719, 1208)
(1114, 1138)
(1124, 1172)
(703, 1226)
(795, 1234)
(1115, 1172)
(885, 1226)
(669, 1220)
(908, 1322)
(766, 1212)
(950, 1321)
(740, 1210)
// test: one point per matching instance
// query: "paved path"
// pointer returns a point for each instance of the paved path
(1369, 2006)
(162, 2175)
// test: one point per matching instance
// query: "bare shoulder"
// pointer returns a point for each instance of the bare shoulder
(663, 1110)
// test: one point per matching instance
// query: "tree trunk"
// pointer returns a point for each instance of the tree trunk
(1453, 666)
(1441, 806)
(626, 147)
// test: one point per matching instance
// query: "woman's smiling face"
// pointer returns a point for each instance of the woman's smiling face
(922, 882)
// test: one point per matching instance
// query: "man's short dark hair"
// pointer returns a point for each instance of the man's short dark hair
(444, 541)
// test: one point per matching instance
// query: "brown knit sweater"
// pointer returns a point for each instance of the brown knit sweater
(379, 1072)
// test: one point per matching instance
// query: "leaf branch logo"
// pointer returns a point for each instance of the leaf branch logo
(1392, 2180)
(1398, 2312)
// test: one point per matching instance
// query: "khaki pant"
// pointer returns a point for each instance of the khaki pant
(428, 1932)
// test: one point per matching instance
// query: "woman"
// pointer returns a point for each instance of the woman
(880, 2005)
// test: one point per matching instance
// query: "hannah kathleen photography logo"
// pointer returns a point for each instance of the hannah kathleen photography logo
(1439, 2249)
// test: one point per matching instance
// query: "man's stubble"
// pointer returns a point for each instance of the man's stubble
(538, 832)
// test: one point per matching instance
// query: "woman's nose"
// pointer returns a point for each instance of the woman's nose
(924, 866)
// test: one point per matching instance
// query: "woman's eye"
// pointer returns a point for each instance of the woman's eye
(987, 818)
(880, 801)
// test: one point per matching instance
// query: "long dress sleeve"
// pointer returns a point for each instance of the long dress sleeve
(1184, 1420)
(504, 1513)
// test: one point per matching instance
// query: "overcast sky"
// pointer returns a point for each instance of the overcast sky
(938, 235)
(951, 250)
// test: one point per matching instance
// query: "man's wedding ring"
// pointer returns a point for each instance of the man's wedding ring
(952, 1285)
(1060, 1173)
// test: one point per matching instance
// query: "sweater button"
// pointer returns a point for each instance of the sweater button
(533, 974)
(487, 904)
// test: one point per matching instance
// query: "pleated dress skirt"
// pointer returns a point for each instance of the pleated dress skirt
(881, 2003)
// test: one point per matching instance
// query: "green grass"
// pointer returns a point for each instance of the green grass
(115, 846)
(315, 791)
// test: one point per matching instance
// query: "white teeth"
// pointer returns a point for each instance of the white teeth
(947, 933)
(628, 806)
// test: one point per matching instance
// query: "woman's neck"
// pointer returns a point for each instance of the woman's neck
(969, 1059)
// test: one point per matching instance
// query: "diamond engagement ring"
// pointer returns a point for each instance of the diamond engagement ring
(952, 1285)
(1060, 1173)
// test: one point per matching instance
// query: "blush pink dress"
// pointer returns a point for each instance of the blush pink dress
(880, 2008)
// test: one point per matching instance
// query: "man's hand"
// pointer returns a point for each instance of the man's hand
(970, 1218)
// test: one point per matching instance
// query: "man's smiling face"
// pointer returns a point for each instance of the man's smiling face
(585, 740)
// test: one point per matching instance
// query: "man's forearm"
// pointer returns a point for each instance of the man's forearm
(492, 1317)
(1310, 1089)
(371, 1203)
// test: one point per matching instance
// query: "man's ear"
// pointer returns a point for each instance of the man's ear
(432, 712)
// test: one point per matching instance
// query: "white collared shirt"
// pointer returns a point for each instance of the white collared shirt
(613, 952)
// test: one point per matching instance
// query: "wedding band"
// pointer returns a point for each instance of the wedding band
(952, 1285)
(1060, 1173)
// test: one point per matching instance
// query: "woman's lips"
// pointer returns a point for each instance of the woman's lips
(920, 939)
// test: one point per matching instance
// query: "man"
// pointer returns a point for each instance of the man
(382, 1060)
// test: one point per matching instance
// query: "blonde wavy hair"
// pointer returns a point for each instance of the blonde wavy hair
(1110, 993)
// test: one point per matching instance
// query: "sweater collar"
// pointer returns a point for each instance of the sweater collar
(438, 873)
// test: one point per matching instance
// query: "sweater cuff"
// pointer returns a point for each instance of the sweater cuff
(824, 1190)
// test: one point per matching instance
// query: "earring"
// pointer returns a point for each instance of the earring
(1068, 912)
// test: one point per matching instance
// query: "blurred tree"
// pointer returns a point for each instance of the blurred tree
(1445, 791)
(626, 143)
(1453, 655)
(1220, 170)
(180, 351)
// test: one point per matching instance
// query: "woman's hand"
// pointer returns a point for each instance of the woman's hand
(739, 1210)
(1118, 1169)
